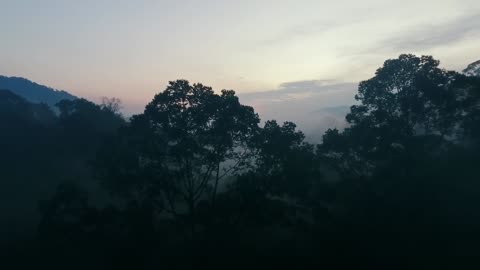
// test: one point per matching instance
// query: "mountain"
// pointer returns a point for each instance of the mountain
(16, 110)
(473, 69)
(34, 92)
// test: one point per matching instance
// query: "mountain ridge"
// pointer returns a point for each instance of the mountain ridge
(34, 92)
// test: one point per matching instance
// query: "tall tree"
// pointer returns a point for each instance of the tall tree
(285, 162)
(409, 97)
(187, 141)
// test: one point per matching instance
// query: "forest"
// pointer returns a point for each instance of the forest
(198, 176)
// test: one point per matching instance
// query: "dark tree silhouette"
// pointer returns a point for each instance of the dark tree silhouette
(409, 97)
(196, 176)
(406, 160)
(178, 151)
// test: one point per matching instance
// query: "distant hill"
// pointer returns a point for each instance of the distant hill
(473, 69)
(16, 110)
(34, 92)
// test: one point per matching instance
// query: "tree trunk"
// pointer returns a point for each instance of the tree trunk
(191, 209)
(216, 185)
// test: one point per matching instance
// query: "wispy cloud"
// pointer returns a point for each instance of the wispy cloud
(314, 105)
(307, 84)
(425, 37)
(430, 36)
(297, 31)
(305, 30)
(297, 90)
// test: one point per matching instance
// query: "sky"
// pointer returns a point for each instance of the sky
(274, 53)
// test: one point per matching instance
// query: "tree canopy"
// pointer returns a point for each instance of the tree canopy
(197, 174)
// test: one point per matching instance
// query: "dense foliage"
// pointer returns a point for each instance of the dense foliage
(196, 174)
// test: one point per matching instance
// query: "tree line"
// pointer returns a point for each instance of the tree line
(197, 175)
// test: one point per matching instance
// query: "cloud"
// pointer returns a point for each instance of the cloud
(302, 85)
(425, 37)
(314, 105)
(306, 30)
(297, 32)
(335, 110)
(307, 87)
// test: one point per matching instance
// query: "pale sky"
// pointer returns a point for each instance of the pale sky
(131, 49)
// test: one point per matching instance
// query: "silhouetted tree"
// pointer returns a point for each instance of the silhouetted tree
(178, 151)
(111, 104)
(285, 163)
(195, 174)
(405, 160)
(408, 97)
